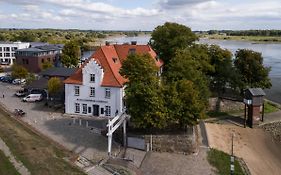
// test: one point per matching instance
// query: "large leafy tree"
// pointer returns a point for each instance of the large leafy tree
(19, 71)
(166, 39)
(143, 92)
(224, 73)
(250, 65)
(70, 54)
(187, 95)
(47, 65)
(54, 85)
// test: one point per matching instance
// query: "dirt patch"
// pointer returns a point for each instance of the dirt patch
(260, 152)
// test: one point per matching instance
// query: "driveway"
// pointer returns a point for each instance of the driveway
(81, 139)
(260, 152)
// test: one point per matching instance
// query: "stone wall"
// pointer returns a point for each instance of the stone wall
(225, 105)
(175, 143)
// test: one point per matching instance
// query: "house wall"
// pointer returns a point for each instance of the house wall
(10, 59)
(34, 62)
(115, 100)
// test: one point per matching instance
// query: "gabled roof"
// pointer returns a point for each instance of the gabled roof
(256, 92)
(110, 57)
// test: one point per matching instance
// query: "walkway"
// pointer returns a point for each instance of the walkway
(17, 164)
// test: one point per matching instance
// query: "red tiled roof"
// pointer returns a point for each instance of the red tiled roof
(105, 55)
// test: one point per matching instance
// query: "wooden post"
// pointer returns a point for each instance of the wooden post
(245, 116)
(109, 139)
(262, 112)
(124, 134)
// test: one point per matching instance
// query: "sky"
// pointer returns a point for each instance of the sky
(140, 14)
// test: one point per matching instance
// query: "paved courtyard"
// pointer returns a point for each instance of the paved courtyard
(83, 140)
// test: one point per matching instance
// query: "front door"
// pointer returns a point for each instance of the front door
(96, 110)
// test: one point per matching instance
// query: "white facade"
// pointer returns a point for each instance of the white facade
(7, 51)
(99, 103)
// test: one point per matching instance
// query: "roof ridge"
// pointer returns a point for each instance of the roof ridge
(110, 66)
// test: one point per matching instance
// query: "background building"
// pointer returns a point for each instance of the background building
(7, 51)
(34, 57)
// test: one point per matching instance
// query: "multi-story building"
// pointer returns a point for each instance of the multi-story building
(97, 88)
(7, 51)
(34, 57)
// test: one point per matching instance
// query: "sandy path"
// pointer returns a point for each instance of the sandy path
(256, 147)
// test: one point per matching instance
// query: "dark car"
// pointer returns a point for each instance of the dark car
(8, 79)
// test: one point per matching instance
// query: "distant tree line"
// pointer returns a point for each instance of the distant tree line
(247, 32)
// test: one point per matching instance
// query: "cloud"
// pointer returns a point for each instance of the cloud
(172, 4)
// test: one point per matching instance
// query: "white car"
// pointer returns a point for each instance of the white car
(18, 81)
(33, 98)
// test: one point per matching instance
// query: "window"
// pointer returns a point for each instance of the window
(77, 108)
(92, 78)
(102, 110)
(107, 111)
(92, 92)
(42, 60)
(13, 54)
(76, 90)
(7, 49)
(132, 51)
(84, 108)
(0, 48)
(89, 110)
(14, 48)
(114, 60)
(107, 93)
(1, 54)
(7, 54)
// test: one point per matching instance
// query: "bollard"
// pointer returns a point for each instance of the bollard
(73, 121)
(87, 124)
(80, 122)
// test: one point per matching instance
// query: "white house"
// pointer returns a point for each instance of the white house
(7, 51)
(97, 88)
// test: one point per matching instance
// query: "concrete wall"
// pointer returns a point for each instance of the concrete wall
(116, 94)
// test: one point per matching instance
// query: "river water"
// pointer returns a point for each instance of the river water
(270, 52)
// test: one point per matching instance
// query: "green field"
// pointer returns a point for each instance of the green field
(221, 161)
(38, 154)
(6, 167)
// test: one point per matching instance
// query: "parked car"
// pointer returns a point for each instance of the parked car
(33, 98)
(21, 93)
(8, 79)
(18, 81)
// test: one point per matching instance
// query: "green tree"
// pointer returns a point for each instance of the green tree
(250, 65)
(19, 71)
(166, 39)
(224, 73)
(70, 54)
(54, 85)
(143, 92)
(183, 103)
(30, 78)
(47, 65)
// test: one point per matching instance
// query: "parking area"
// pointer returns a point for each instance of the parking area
(81, 136)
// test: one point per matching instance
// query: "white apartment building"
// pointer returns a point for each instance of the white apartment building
(7, 51)
(97, 88)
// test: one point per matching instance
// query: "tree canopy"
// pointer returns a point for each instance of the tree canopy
(70, 54)
(250, 66)
(47, 65)
(19, 71)
(54, 85)
(166, 39)
(143, 92)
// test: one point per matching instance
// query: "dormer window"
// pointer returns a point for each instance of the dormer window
(132, 51)
(114, 60)
(92, 78)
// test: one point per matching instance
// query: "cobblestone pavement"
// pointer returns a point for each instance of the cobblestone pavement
(81, 139)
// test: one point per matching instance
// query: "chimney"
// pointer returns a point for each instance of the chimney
(134, 42)
(107, 43)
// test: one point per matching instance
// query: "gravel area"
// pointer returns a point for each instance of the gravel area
(83, 140)
(274, 129)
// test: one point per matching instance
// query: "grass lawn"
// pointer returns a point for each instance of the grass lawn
(270, 107)
(258, 39)
(6, 167)
(37, 153)
(221, 161)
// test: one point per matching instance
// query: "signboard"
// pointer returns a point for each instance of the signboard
(96, 101)
(247, 102)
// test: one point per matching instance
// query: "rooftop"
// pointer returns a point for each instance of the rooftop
(58, 72)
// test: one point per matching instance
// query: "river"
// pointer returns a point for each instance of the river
(270, 52)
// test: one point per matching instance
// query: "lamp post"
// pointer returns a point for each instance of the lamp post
(232, 157)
